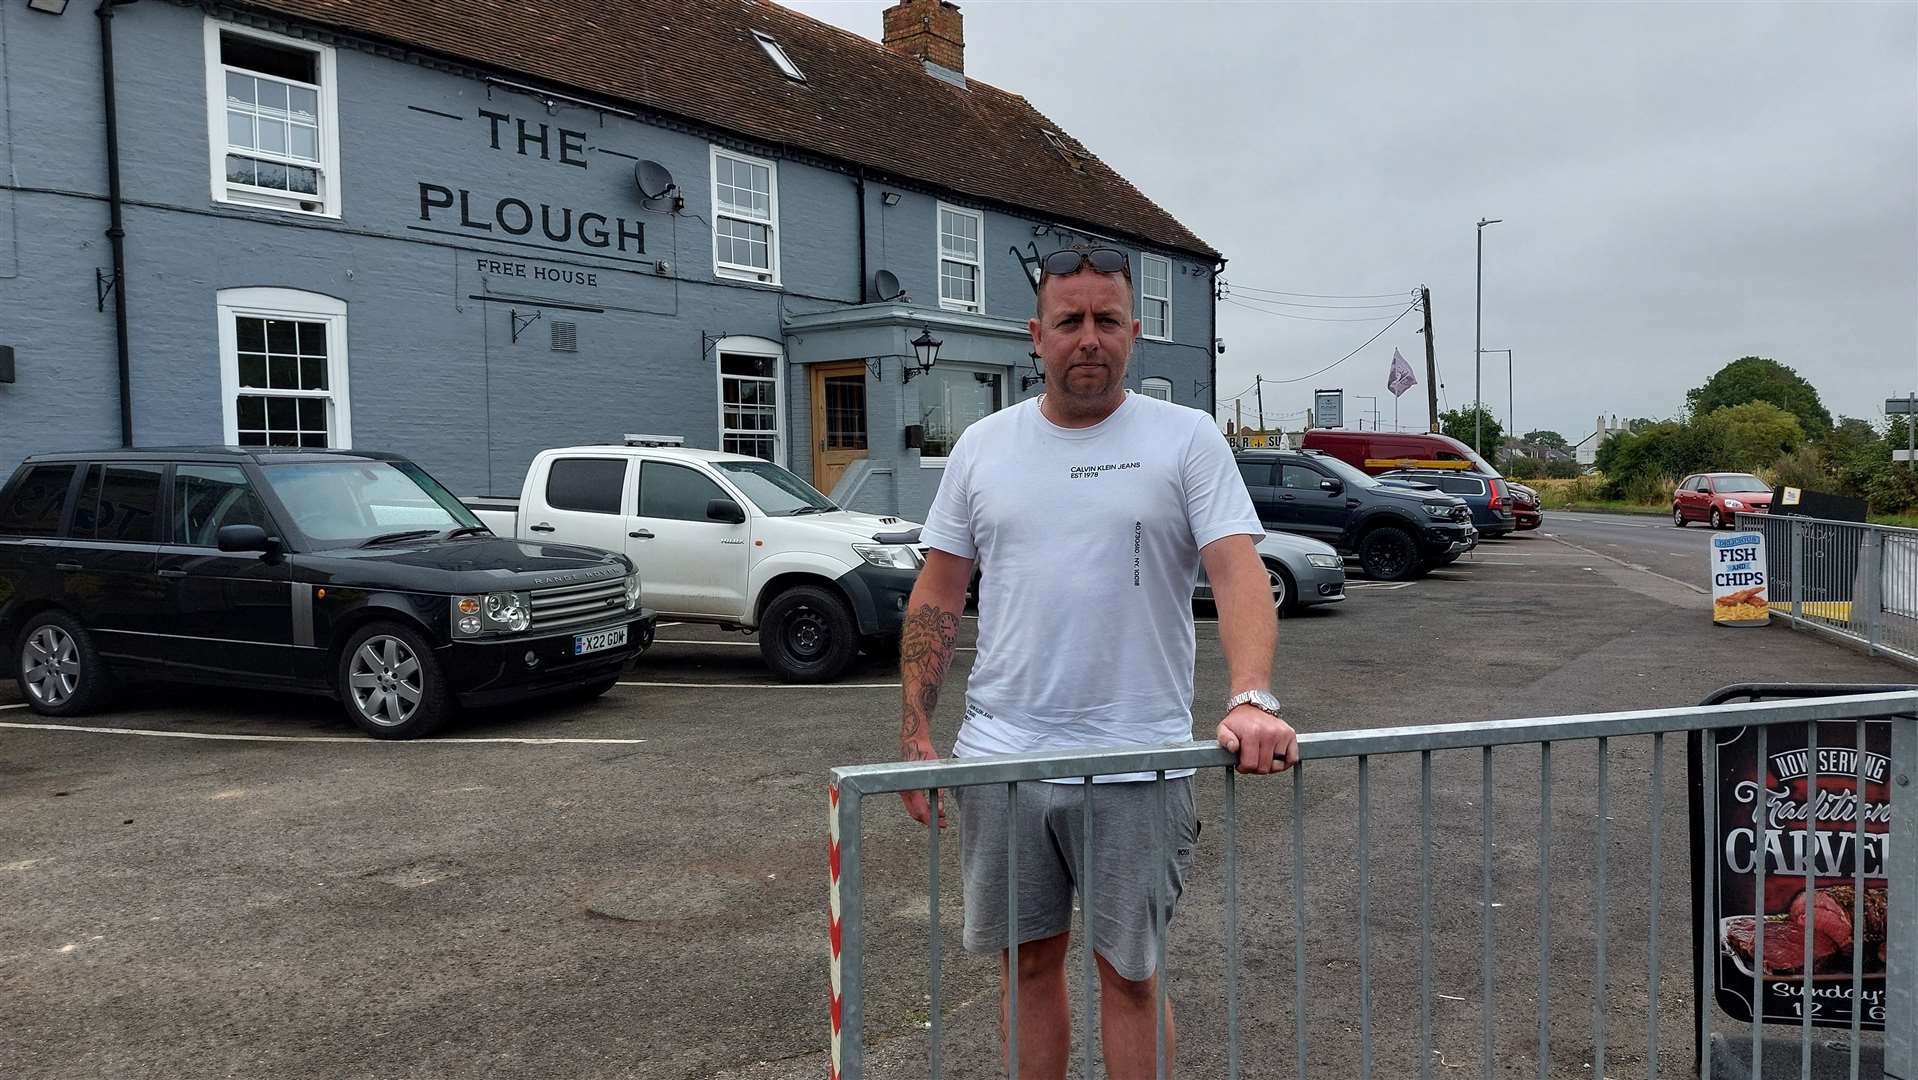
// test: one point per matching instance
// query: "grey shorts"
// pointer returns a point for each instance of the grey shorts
(1129, 874)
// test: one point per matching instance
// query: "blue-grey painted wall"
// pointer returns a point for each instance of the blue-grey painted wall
(435, 373)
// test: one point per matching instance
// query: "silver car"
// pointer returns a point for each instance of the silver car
(1303, 572)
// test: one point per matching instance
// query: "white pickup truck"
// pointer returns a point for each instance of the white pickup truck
(728, 539)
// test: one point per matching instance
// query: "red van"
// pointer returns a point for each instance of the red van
(1383, 451)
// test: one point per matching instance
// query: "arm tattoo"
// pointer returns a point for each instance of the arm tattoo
(925, 652)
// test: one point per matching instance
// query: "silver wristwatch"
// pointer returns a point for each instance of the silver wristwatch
(1259, 699)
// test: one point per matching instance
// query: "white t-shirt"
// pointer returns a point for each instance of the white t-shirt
(1087, 542)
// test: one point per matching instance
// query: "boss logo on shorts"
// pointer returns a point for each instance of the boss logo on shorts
(1090, 472)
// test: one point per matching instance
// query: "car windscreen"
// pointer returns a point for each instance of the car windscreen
(1344, 471)
(1726, 485)
(341, 503)
(774, 489)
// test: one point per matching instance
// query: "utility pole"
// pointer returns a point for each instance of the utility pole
(1258, 388)
(1431, 360)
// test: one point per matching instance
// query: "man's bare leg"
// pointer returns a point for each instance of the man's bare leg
(1045, 1019)
(1131, 1035)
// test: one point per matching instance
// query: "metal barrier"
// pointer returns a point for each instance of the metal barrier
(851, 786)
(1857, 581)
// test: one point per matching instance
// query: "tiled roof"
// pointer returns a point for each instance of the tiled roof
(860, 103)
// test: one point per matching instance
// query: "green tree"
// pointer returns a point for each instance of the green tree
(1642, 465)
(1463, 424)
(1753, 435)
(1550, 440)
(1756, 378)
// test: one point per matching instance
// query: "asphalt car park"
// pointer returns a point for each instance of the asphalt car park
(198, 883)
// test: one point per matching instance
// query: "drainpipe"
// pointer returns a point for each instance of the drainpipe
(860, 180)
(116, 233)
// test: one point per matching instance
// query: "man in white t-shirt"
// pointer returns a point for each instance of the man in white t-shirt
(1088, 512)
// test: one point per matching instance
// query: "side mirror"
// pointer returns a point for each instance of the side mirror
(1332, 485)
(244, 538)
(725, 510)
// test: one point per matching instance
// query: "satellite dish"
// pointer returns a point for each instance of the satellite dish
(886, 284)
(654, 180)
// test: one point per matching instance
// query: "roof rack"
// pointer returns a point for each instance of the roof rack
(655, 440)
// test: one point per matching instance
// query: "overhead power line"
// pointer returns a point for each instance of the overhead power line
(1305, 318)
(1327, 296)
(1408, 310)
(1390, 299)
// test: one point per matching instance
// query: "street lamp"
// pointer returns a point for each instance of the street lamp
(1511, 416)
(1478, 340)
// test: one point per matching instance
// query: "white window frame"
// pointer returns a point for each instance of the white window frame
(769, 276)
(1003, 374)
(1146, 259)
(329, 127)
(233, 304)
(978, 262)
(1156, 386)
(752, 346)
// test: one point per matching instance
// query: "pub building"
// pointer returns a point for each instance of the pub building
(468, 232)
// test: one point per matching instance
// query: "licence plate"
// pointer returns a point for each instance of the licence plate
(599, 641)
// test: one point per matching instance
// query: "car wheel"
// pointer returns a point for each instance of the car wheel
(391, 683)
(1718, 519)
(1389, 553)
(1285, 591)
(808, 635)
(60, 672)
(1678, 517)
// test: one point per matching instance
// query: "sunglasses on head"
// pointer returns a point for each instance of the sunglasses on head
(1105, 260)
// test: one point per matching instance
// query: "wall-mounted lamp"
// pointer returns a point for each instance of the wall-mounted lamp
(926, 347)
(1041, 230)
(50, 7)
(1038, 376)
(890, 198)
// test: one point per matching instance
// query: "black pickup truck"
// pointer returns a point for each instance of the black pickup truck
(345, 573)
(1397, 533)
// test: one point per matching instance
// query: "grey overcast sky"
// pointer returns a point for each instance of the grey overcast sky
(1681, 184)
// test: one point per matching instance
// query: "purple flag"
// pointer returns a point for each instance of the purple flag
(1401, 378)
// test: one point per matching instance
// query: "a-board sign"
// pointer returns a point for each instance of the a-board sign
(1740, 592)
(1792, 810)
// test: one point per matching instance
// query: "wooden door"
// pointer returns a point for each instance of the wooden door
(838, 420)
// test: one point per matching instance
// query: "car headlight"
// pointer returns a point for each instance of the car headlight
(632, 592)
(1439, 510)
(1734, 504)
(508, 610)
(891, 556)
(466, 616)
(1326, 562)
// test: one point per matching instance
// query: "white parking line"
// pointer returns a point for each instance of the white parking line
(1378, 585)
(358, 739)
(740, 644)
(22, 705)
(771, 686)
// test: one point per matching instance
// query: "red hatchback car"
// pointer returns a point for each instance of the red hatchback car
(1718, 498)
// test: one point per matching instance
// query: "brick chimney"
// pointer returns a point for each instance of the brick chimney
(927, 30)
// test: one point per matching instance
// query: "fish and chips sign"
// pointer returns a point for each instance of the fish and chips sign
(1739, 589)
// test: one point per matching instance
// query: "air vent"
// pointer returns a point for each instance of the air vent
(888, 521)
(565, 336)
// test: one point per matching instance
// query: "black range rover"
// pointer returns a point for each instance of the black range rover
(346, 573)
